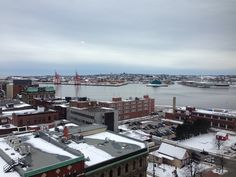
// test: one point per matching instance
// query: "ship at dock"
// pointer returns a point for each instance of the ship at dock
(202, 84)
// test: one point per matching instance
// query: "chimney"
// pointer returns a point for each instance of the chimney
(174, 104)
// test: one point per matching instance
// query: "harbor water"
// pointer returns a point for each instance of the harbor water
(185, 96)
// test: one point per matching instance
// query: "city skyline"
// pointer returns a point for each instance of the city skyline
(108, 36)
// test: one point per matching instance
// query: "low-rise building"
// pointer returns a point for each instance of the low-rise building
(221, 136)
(131, 108)
(171, 155)
(98, 115)
(8, 106)
(58, 104)
(30, 93)
(107, 154)
(34, 117)
(218, 118)
(29, 155)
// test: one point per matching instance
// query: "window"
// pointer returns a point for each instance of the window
(118, 171)
(140, 162)
(126, 168)
(111, 173)
(134, 164)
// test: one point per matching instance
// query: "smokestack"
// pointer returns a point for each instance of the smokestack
(174, 104)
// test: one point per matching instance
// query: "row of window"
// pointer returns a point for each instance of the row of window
(127, 169)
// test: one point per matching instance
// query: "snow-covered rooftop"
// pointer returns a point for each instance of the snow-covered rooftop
(24, 111)
(172, 121)
(43, 153)
(103, 146)
(136, 134)
(172, 151)
(221, 134)
(21, 105)
(213, 111)
(3, 174)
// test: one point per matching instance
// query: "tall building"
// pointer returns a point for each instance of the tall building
(131, 108)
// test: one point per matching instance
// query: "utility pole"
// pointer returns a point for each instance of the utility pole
(153, 165)
(222, 163)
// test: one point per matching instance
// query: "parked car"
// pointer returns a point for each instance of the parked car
(204, 152)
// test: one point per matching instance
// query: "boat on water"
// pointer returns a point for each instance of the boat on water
(156, 83)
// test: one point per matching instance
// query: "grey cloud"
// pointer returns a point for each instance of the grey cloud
(145, 26)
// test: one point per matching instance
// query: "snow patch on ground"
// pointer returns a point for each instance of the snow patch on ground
(207, 142)
(164, 170)
(219, 171)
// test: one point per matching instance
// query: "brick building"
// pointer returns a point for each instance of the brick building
(223, 119)
(30, 93)
(131, 108)
(35, 159)
(58, 104)
(83, 103)
(39, 116)
(19, 86)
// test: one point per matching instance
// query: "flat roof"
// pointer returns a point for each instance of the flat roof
(216, 112)
(16, 106)
(94, 109)
(3, 174)
(42, 153)
(23, 111)
(104, 146)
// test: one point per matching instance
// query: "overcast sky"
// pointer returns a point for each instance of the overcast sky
(114, 36)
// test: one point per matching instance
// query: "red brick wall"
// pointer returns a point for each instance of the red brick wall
(132, 108)
(83, 104)
(34, 119)
(77, 168)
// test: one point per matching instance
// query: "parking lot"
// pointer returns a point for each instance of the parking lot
(154, 127)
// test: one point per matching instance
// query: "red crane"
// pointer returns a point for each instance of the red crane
(57, 78)
(77, 79)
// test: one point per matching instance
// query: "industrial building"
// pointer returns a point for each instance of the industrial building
(223, 119)
(131, 108)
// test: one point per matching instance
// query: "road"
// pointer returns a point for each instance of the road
(230, 165)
